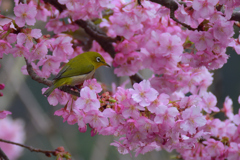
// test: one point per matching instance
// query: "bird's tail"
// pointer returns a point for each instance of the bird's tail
(49, 90)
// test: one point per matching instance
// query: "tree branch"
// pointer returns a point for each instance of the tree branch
(235, 16)
(136, 78)
(3, 156)
(47, 82)
(97, 34)
(46, 152)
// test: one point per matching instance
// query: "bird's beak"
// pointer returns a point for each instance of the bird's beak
(107, 65)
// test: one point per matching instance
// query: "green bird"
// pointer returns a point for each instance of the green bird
(77, 70)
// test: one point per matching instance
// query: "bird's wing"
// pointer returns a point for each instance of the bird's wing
(70, 70)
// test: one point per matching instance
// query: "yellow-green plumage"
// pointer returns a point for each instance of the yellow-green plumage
(77, 70)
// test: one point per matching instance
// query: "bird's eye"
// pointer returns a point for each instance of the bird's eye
(98, 59)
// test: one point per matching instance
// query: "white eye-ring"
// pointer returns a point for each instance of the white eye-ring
(98, 59)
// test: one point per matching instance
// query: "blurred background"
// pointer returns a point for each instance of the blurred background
(22, 96)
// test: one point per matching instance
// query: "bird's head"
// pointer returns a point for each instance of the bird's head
(97, 60)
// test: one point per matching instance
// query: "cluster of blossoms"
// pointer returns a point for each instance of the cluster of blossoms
(155, 114)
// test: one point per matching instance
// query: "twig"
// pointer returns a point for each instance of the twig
(47, 153)
(173, 6)
(136, 78)
(3, 156)
(47, 82)
(235, 16)
(97, 34)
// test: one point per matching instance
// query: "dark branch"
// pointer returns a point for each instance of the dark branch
(56, 4)
(3, 156)
(96, 33)
(235, 16)
(47, 82)
(136, 78)
(171, 4)
(46, 152)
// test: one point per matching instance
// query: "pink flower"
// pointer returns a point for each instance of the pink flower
(192, 118)
(121, 147)
(56, 97)
(40, 51)
(11, 38)
(96, 119)
(204, 8)
(147, 148)
(88, 100)
(166, 115)
(115, 117)
(234, 151)
(42, 13)
(62, 112)
(227, 108)
(131, 109)
(125, 25)
(71, 4)
(50, 64)
(143, 93)
(170, 45)
(93, 85)
(3, 114)
(162, 99)
(20, 50)
(209, 102)
(62, 46)
(214, 148)
(82, 127)
(4, 48)
(28, 37)
(146, 125)
(25, 13)
(222, 30)
(122, 95)
(202, 40)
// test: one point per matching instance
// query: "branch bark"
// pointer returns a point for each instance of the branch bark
(46, 152)
(3, 156)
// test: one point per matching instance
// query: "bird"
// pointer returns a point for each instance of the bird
(77, 70)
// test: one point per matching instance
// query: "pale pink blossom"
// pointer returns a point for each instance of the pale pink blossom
(204, 8)
(192, 118)
(227, 108)
(3, 114)
(214, 148)
(131, 109)
(209, 102)
(143, 93)
(93, 85)
(82, 127)
(166, 115)
(202, 40)
(27, 38)
(25, 14)
(62, 46)
(96, 119)
(4, 48)
(234, 151)
(88, 100)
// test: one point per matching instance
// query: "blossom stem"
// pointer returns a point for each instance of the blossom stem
(3, 156)
(46, 152)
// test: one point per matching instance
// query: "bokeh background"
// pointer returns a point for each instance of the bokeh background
(22, 96)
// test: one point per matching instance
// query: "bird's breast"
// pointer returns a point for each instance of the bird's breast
(75, 80)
